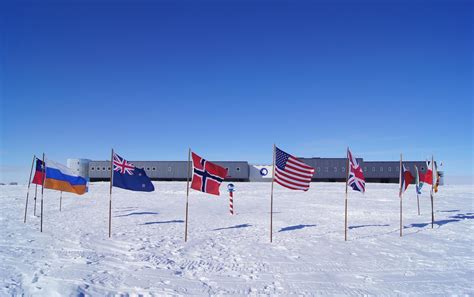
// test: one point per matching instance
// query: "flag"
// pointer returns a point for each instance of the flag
(38, 178)
(406, 179)
(427, 177)
(437, 176)
(129, 177)
(291, 172)
(356, 177)
(418, 183)
(62, 178)
(207, 176)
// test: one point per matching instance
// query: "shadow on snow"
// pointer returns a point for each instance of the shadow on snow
(163, 222)
(296, 227)
(138, 213)
(456, 218)
(362, 226)
(233, 227)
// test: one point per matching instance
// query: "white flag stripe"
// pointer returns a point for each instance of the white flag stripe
(291, 181)
(300, 164)
(306, 179)
(293, 186)
(307, 175)
(297, 166)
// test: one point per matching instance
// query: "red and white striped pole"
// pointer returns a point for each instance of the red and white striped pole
(230, 188)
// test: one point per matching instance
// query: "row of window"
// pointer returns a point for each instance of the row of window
(343, 169)
(147, 169)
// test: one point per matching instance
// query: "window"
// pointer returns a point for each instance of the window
(77, 162)
(103, 168)
(343, 169)
(422, 168)
(108, 168)
(92, 168)
(365, 169)
(396, 168)
(148, 168)
(381, 169)
(169, 169)
(319, 169)
(238, 168)
(227, 168)
(154, 169)
(389, 169)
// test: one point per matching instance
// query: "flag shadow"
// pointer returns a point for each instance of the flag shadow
(233, 227)
(138, 214)
(296, 227)
(362, 226)
(163, 222)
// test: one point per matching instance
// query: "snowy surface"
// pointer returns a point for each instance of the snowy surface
(231, 255)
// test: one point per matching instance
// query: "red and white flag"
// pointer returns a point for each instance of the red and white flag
(291, 172)
(207, 176)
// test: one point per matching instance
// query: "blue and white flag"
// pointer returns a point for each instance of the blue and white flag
(129, 177)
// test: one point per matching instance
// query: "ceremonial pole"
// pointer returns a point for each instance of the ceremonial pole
(431, 193)
(36, 193)
(231, 189)
(400, 194)
(345, 211)
(271, 196)
(28, 191)
(110, 196)
(42, 193)
(187, 196)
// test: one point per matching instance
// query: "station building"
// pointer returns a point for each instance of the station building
(326, 170)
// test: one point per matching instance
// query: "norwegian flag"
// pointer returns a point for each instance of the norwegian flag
(207, 176)
(356, 177)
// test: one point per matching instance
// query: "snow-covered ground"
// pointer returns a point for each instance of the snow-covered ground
(232, 255)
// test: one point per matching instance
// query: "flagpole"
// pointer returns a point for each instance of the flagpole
(345, 208)
(432, 194)
(60, 200)
(36, 193)
(42, 193)
(271, 196)
(110, 191)
(28, 191)
(401, 195)
(187, 196)
(418, 201)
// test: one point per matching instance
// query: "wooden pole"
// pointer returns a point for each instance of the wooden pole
(110, 191)
(42, 193)
(418, 202)
(400, 194)
(345, 208)
(416, 189)
(60, 200)
(28, 191)
(187, 196)
(271, 195)
(431, 193)
(36, 194)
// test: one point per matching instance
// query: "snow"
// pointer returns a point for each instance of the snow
(232, 255)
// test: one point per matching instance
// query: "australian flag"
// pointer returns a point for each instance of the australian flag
(129, 177)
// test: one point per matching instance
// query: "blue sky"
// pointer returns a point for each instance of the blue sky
(230, 78)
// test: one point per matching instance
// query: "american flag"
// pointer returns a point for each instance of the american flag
(356, 177)
(291, 172)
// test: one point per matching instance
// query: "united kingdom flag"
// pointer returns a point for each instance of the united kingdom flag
(356, 177)
(207, 176)
(129, 177)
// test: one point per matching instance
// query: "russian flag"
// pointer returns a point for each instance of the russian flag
(61, 178)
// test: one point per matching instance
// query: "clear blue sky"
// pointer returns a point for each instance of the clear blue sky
(230, 78)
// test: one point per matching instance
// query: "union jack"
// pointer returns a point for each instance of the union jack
(123, 166)
(355, 175)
